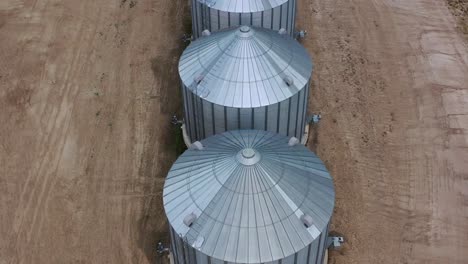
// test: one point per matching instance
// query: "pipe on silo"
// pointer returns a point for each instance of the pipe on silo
(185, 136)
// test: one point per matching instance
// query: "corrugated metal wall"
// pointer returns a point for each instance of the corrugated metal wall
(204, 17)
(186, 254)
(203, 118)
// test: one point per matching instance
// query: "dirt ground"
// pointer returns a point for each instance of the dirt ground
(87, 89)
(391, 82)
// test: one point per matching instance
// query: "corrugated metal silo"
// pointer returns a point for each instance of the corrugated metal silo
(248, 196)
(215, 15)
(245, 78)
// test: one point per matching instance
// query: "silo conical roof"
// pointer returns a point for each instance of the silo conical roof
(246, 193)
(242, 6)
(245, 67)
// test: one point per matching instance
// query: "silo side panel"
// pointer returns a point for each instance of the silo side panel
(179, 248)
(232, 117)
(301, 114)
(246, 118)
(201, 258)
(276, 18)
(246, 18)
(288, 260)
(292, 16)
(257, 19)
(216, 261)
(313, 251)
(284, 117)
(208, 18)
(260, 118)
(288, 11)
(293, 107)
(190, 115)
(204, 17)
(285, 11)
(320, 248)
(273, 118)
(196, 19)
(223, 20)
(173, 245)
(284, 16)
(208, 115)
(214, 16)
(195, 121)
(234, 19)
(302, 256)
(192, 255)
(183, 254)
(192, 99)
(306, 105)
(323, 245)
(200, 117)
(220, 118)
(266, 19)
(186, 111)
(204, 119)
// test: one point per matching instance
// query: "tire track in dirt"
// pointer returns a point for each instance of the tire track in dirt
(88, 36)
(61, 129)
(380, 129)
(95, 198)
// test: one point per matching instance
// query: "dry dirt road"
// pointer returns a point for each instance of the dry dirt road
(391, 81)
(87, 89)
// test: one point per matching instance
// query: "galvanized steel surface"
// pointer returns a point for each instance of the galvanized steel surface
(242, 6)
(203, 118)
(185, 253)
(249, 189)
(266, 14)
(245, 67)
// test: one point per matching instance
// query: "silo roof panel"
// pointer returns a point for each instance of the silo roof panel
(248, 189)
(242, 6)
(226, 63)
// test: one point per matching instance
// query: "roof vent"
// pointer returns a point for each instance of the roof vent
(306, 220)
(288, 80)
(244, 29)
(205, 33)
(199, 242)
(248, 156)
(198, 79)
(189, 219)
(282, 31)
(293, 141)
(204, 93)
(197, 145)
(210, 3)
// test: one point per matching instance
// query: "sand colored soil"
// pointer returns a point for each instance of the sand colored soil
(87, 90)
(391, 82)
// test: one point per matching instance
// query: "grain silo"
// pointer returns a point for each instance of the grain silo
(215, 15)
(248, 196)
(245, 78)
